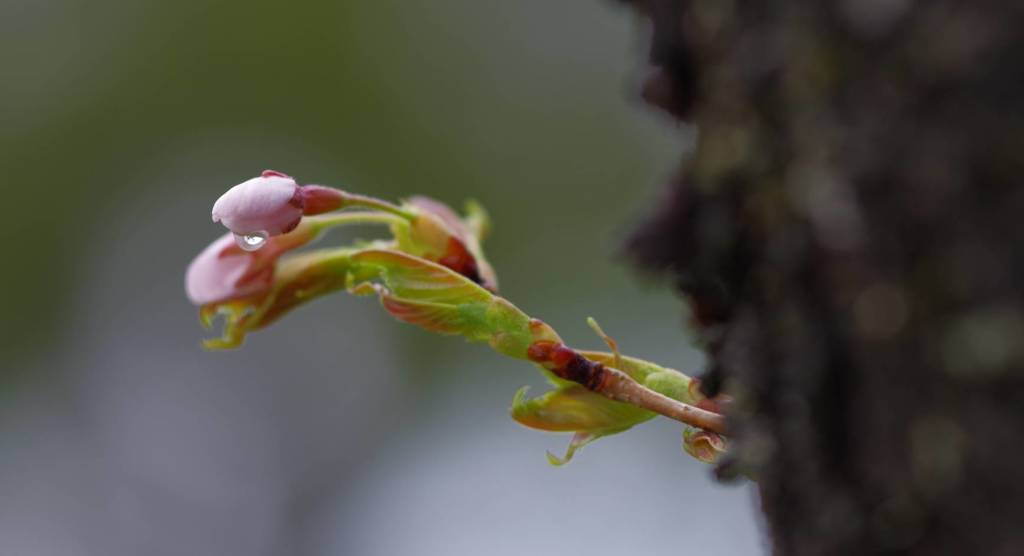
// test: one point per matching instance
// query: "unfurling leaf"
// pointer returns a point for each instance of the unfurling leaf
(430, 295)
(578, 441)
(703, 445)
(573, 408)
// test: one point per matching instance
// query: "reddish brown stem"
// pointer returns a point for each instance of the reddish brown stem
(612, 383)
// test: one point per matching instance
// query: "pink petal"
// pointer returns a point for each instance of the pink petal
(224, 271)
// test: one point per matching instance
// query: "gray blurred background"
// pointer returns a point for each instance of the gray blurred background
(338, 430)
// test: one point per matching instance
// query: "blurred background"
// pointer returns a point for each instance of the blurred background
(338, 430)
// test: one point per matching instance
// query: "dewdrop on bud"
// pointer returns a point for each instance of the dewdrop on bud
(251, 241)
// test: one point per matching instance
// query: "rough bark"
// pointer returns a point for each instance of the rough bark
(850, 233)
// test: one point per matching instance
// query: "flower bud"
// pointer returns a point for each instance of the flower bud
(225, 271)
(453, 241)
(270, 204)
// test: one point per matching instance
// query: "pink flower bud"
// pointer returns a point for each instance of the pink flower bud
(456, 242)
(270, 204)
(225, 271)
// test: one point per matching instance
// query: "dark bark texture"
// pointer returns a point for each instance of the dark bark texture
(850, 234)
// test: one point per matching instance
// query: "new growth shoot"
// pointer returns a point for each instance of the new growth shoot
(431, 273)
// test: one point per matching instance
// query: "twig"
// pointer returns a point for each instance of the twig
(569, 364)
(621, 387)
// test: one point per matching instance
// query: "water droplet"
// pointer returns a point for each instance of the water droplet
(251, 241)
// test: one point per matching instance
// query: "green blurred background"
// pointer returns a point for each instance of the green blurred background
(338, 430)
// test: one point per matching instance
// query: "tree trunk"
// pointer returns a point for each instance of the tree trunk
(850, 233)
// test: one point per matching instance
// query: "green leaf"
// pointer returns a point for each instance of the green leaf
(573, 408)
(434, 297)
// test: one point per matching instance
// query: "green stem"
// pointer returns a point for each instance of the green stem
(347, 218)
(355, 199)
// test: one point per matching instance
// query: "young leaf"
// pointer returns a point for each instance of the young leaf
(574, 408)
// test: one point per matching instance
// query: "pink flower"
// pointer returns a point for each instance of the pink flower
(225, 271)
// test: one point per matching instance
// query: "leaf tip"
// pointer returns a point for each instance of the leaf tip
(557, 461)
